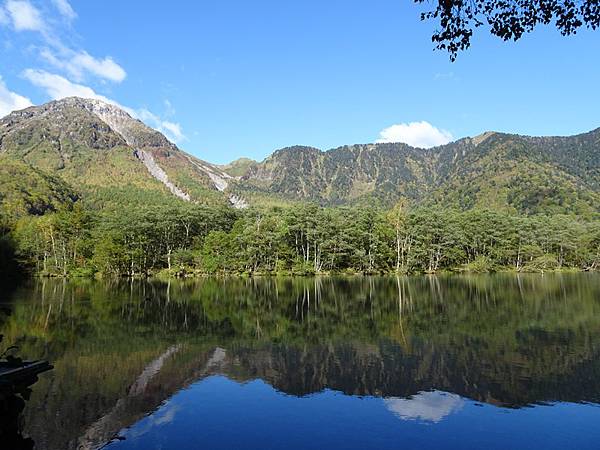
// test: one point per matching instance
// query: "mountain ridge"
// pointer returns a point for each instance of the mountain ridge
(95, 145)
(392, 171)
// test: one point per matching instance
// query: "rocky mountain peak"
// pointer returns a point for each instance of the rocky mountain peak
(476, 140)
(134, 131)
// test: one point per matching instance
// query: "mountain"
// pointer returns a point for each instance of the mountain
(238, 167)
(95, 149)
(100, 149)
(504, 171)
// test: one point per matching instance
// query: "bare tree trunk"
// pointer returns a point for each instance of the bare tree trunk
(398, 250)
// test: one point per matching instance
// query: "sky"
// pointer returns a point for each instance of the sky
(225, 79)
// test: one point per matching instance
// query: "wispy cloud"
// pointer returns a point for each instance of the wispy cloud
(171, 130)
(25, 16)
(418, 134)
(443, 75)
(65, 9)
(10, 101)
(174, 130)
(169, 109)
(77, 64)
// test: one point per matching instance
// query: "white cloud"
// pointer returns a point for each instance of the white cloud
(426, 406)
(104, 68)
(25, 16)
(418, 134)
(78, 63)
(169, 109)
(58, 87)
(9, 101)
(174, 129)
(65, 9)
(171, 130)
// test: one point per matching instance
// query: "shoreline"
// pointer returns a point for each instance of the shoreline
(164, 275)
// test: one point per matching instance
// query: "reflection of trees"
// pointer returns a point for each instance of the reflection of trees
(511, 340)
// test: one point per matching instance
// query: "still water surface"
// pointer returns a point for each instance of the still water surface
(479, 362)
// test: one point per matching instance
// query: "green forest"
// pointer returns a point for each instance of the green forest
(175, 238)
(77, 199)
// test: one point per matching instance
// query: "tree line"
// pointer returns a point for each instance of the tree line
(186, 239)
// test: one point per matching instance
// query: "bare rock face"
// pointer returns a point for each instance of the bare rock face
(220, 180)
(134, 131)
(160, 174)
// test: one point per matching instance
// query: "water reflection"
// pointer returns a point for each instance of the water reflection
(431, 406)
(423, 345)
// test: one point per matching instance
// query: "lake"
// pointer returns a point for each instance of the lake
(476, 362)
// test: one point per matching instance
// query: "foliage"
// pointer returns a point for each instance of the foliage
(507, 19)
(481, 264)
(181, 239)
(27, 190)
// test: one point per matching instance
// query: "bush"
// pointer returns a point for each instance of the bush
(542, 263)
(481, 264)
(82, 272)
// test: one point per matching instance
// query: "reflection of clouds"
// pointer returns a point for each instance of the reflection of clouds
(163, 416)
(430, 406)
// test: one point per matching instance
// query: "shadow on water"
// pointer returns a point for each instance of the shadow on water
(16, 378)
(120, 349)
(11, 407)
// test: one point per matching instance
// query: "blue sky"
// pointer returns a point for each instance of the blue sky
(226, 79)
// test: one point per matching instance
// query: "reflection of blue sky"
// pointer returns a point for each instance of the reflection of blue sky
(431, 406)
(165, 415)
(221, 414)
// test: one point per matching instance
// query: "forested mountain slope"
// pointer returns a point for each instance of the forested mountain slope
(27, 190)
(107, 155)
(507, 172)
(101, 150)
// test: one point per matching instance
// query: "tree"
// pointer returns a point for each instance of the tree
(507, 19)
(402, 240)
(218, 252)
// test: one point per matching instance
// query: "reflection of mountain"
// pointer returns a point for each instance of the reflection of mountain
(145, 395)
(386, 370)
(120, 349)
(87, 415)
